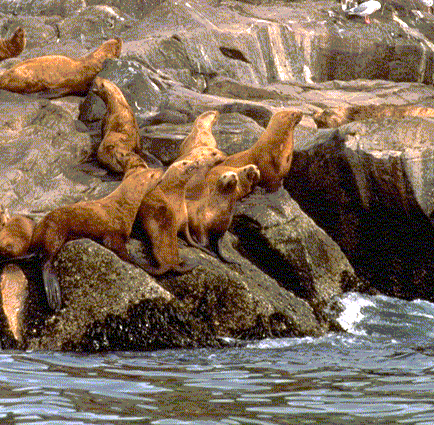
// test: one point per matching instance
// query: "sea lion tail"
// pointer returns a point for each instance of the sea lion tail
(52, 286)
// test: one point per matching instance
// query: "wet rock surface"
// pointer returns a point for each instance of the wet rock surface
(355, 212)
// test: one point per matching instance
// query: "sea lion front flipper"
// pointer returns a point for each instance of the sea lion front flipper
(52, 286)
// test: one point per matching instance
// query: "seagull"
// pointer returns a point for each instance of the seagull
(365, 9)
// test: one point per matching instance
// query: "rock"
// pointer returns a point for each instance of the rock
(92, 292)
(369, 185)
(40, 7)
(96, 23)
(240, 301)
(109, 305)
(287, 245)
(40, 146)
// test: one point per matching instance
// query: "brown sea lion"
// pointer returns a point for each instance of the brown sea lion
(207, 158)
(16, 236)
(336, 116)
(13, 46)
(108, 221)
(248, 177)
(272, 152)
(55, 76)
(210, 216)
(120, 132)
(163, 214)
(4, 216)
(201, 133)
(14, 294)
(200, 144)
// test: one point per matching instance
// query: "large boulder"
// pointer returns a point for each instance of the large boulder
(109, 304)
(369, 185)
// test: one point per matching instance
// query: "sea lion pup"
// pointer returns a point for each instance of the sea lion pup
(16, 236)
(13, 46)
(163, 214)
(272, 152)
(201, 133)
(56, 76)
(120, 132)
(211, 216)
(108, 221)
(336, 116)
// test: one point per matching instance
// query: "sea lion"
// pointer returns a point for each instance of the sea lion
(4, 216)
(211, 216)
(272, 152)
(207, 158)
(201, 133)
(163, 214)
(16, 236)
(108, 221)
(56, 76)
(248, 177)
(336, 116)
(14, 293)
(120, 132)
(13, 46)
(201, 145)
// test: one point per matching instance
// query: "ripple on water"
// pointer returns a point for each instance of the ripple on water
(381, 371)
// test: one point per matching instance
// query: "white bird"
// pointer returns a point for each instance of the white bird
(365, 9)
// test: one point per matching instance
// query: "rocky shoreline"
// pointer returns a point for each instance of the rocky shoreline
(355, 211)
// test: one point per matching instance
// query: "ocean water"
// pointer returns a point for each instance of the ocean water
(380, 372)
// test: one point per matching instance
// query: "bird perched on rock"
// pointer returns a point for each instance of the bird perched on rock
(365, 9)
(428, 4)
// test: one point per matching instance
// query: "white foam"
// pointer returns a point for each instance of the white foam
(352, 314)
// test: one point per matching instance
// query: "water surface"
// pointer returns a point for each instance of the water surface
(380, 372)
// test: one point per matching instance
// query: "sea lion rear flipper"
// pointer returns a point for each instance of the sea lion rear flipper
(217, 250)
(185, 267)
(22, 258)
(52, 287)
(197, 245)
(53, 93)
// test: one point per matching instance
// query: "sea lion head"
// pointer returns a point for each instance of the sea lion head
(250, 173)
(227, 182)
(206, 120)
(112, 47)
(4, 216)
(18, 38)
(288, 117)
(101, 87)
(207, 156)
(328, 118)
(186, 168)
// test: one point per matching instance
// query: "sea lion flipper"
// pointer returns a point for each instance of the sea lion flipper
(185, 267)
(197, 245)
(52, 93)
(216, 248)
(52, 286)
